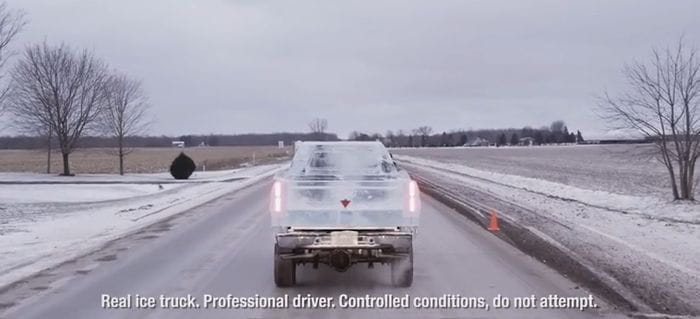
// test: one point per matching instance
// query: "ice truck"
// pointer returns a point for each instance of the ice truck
(342, 204)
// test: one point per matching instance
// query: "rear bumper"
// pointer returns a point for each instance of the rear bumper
(367, 240)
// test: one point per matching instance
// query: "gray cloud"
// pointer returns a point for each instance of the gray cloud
(214, 66)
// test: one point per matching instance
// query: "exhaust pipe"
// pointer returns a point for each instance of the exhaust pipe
(340, 260)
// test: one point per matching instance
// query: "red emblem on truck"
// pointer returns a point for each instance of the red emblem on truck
(345, 203)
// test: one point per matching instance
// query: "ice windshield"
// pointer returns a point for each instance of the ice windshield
(342, 160)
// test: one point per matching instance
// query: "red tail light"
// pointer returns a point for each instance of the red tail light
(412, 196)
(277, 197)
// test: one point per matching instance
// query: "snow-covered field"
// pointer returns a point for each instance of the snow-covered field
(49, 222)
(621, 169)
(615, 213)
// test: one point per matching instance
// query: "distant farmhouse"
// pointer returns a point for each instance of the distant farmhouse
(526, 141)
(478, 142)
(179, 144)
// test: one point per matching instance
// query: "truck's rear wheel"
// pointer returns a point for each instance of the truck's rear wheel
(285, 270)
(402, 270)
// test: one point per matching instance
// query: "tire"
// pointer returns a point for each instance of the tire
(285, 270)
(402, 270)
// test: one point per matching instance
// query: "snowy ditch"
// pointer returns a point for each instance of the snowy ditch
(43, 225)
(647, 246)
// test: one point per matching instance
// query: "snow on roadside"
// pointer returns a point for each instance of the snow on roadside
(63, 232)
(642, 205)
(76, 193)
(655, 250)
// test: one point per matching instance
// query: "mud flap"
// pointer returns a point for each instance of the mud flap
(402, 270)
(284, 270)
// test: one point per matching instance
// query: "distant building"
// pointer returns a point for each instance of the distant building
(526, 141)
(479, 142)
(179, 144)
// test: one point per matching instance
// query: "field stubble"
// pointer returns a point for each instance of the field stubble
(140, 160)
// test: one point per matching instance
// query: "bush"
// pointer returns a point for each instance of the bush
(182, 167)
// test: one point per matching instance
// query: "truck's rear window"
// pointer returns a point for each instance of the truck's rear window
(343, 160)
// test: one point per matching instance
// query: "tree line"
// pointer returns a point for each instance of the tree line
(556, 133)
(39, 142)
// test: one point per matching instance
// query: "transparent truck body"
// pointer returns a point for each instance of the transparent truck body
(344, 203)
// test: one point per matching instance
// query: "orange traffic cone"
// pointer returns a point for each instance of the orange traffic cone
(493, 225)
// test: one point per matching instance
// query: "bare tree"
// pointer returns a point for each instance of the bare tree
(557, 126)
(11, 23)
(390, 138)
(318, 127)
(124, 113)
(558, 131)
(59, 88)
(46, 132)
(663, 105)
(423, 132)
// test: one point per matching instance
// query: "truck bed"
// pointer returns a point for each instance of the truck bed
(372, 203)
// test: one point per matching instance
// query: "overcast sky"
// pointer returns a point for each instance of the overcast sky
(228, 66)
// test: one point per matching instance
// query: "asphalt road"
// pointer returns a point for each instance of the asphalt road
(226, 247)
